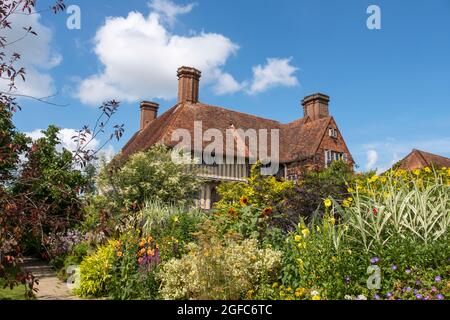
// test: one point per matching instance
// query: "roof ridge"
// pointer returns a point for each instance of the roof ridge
(239, 112)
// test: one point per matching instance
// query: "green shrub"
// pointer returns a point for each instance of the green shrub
(172, 226)
(96, 271)
(148, 176)
(133, 272)
(218, 268)
(260, 191)
(306, 199)
(398, 222)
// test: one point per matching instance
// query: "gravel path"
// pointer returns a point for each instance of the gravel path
(50, 287)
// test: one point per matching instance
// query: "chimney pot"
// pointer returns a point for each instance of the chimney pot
(188, 84)
(315, 106)
(149, 112)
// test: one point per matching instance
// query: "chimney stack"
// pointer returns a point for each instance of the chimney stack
(149, 112)
(316, 106)
(188, 84)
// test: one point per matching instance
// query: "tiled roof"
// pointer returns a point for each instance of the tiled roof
(419, 159)
(298, 139)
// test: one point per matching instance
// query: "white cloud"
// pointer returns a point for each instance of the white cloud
(169, 10)
(372, 158)
(276, 72)
(37, 56)
(65, 135)
(140, 58)
(227, 84)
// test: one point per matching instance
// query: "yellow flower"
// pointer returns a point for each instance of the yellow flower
(142, 252)
(175, 219)
(374, 178)
(297, 238)
(299, 292)
(316, 297)
(289, 289)
(318, 229)
(416, 172)
(332, 221)
(305, 232)
(327, 203)
(300, 262)
(351, 190)
(275, 285)
(427, 170)
(345, 203)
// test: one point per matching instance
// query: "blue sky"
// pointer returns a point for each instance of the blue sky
(389, 88)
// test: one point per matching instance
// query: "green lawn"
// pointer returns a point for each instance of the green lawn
(18, 293)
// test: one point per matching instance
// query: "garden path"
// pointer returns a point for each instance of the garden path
(50, 287)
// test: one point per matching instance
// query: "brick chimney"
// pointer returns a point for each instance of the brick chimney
(149, 112)
(316, 106)
(188, 84)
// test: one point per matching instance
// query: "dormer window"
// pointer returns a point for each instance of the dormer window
(333, 133)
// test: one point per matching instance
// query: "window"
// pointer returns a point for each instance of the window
(333, 133)
(331, 156)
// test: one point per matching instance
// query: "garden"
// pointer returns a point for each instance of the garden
(129, 230)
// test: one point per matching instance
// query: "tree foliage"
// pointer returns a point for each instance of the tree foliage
(148, 176)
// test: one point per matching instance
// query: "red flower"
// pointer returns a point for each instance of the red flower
(375, 211)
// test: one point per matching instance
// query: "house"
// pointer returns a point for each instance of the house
(308, 143)
(420, 159)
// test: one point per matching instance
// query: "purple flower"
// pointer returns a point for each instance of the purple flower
(408, 271)
(440, 297)
(394, 267)
(419, 296)
(418, 282)
(376, 297)
(374, 260)
(438, 279)
(347, 279)
(389, 294)
(433, 289)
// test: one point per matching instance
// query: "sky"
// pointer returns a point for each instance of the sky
(389, 87)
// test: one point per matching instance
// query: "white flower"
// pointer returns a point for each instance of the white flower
(314, 293)
(361, 297)
(348, 297)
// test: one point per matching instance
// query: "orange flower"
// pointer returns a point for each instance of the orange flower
(142, 252)
(267, 212)
(150, 252)
(233, 213)
(243, 201)
(119, 253)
